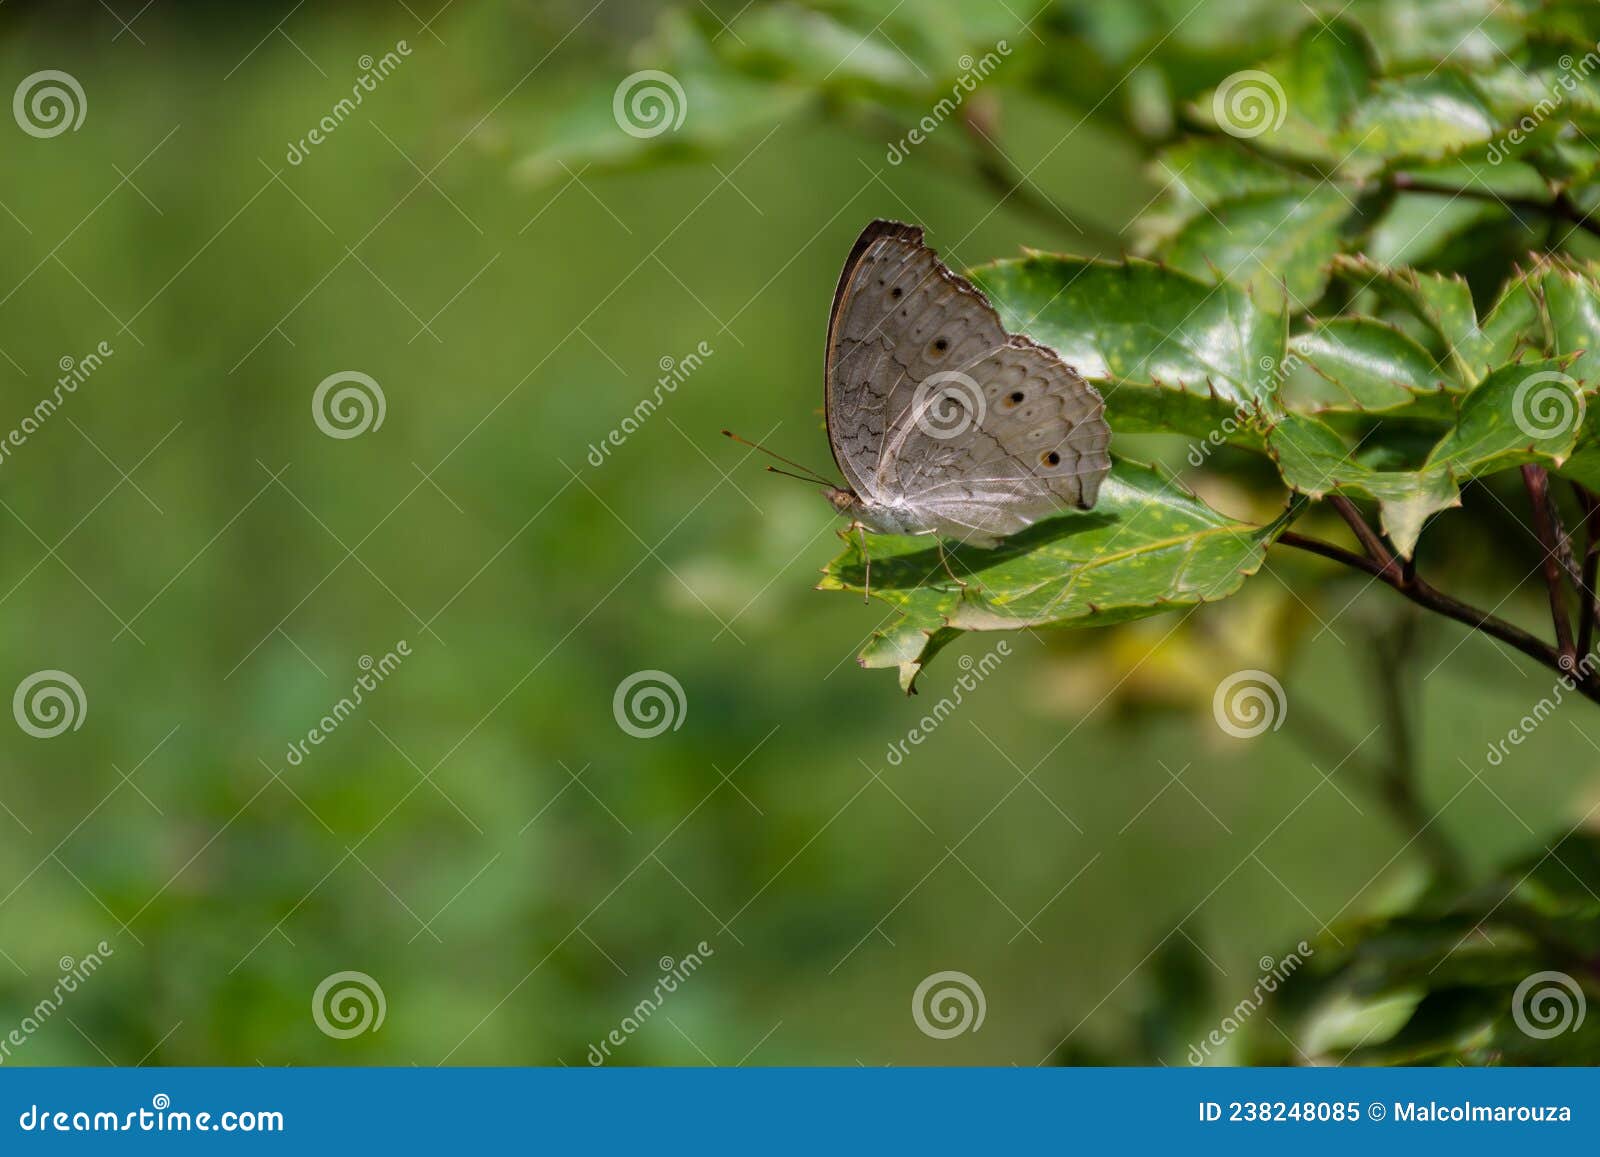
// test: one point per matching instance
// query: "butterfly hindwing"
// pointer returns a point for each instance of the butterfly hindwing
(934, 408)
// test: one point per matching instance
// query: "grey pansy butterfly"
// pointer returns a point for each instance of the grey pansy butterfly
(941, 421)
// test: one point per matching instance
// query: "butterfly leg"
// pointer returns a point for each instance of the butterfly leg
(866, 593)
(944, 561)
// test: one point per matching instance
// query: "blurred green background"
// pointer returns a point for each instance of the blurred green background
(481, 837)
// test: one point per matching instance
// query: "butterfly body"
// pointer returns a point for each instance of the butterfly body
(940, 420)
(879, 517)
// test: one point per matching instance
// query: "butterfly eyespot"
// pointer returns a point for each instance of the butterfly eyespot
(1051, 458)
(896, 292)
(1015, 398)
(941, 345)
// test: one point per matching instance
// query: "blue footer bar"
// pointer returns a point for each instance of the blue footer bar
(795, 1110)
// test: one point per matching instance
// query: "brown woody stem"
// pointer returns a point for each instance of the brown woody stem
(1547, 524)
(1591, 568)
(1369, 539)
(1560, 207)
(1424, 595)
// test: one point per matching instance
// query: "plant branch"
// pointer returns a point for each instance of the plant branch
(1370, 540)
(1591, 568)
(1560, 206)
(1569, 562)
(1424, 595)
(1547, 523)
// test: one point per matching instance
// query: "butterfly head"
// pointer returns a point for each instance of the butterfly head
(878, 517)
(844, 501)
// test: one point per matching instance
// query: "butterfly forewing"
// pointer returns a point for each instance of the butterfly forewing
(934, 408)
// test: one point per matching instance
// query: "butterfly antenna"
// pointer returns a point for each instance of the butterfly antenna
(814, 476)
(792, 474)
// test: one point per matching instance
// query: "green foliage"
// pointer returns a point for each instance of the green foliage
(1265, 317)
(1445, 979)
(1483, 435)
(1361, 365)
(1266, 313)
(1148, 545)
(1365, 284)
(1168, 352)
(1333, 211)
(1494, 974)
